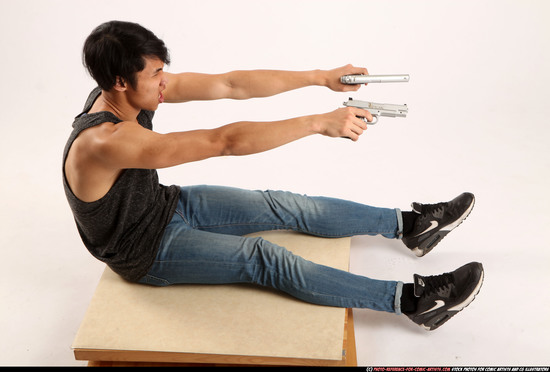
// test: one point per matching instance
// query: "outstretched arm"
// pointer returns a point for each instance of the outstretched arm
(129, 145)
(250, 84)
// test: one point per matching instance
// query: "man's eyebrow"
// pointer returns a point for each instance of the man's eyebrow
(158, 70)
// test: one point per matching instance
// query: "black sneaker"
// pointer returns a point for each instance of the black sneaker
(442, 296)
(435, 221)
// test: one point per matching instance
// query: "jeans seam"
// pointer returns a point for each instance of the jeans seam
(179, 213)
(399, 232)
(397, 299)
(167, 282)
(296, 229)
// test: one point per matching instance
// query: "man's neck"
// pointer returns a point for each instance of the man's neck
(117, 103)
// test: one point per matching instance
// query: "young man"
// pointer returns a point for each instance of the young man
(162, 235)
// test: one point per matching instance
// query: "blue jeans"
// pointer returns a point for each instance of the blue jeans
(204, 244)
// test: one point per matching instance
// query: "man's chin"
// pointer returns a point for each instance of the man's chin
(151, 107)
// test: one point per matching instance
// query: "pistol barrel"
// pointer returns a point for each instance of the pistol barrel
(380, 109)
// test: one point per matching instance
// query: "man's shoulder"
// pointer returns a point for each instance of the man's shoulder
(106, 129)
(94, 135)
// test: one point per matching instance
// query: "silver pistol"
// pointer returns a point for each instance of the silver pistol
(379, 109)
(366, 79)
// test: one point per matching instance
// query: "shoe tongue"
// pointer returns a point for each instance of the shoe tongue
(419, 285)
(417, 207)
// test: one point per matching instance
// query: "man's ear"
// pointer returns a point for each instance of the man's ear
(120, 84)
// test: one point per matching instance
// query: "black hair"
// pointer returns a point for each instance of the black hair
(117, 49)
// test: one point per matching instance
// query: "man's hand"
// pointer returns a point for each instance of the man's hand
(332, 79)
(343, 122)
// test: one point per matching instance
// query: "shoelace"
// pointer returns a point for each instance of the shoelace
(433, 208)
(433, 284)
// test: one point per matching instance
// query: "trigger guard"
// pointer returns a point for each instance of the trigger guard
(374, 120)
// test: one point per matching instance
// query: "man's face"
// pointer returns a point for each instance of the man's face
(150, 84)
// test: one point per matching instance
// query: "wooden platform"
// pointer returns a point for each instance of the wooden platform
(130, 324)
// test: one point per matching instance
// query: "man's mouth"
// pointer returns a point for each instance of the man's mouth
(161, 97)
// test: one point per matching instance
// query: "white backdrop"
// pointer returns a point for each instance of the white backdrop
(477, 122)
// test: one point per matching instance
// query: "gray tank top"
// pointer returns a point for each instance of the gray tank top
(124, 228)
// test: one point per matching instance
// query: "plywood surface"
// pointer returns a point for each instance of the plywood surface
(218, 319)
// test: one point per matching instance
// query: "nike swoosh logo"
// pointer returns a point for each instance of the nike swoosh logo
(438, 304)
(433, 225)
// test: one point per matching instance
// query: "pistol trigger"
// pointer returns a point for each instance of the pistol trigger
(374, 120)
